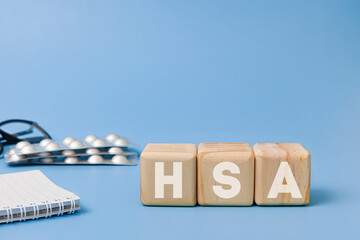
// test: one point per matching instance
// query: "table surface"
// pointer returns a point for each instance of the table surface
(188, 72)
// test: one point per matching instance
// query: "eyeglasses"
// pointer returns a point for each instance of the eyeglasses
(13, 131)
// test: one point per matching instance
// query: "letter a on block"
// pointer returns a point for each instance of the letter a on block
(284, 172)
(229, 180)
(161, 180)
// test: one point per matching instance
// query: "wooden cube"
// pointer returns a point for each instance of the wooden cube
(168, 174)
(225, 174)
(282, 174)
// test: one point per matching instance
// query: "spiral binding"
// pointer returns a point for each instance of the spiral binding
(22, 212)
(72, 205)
(48, 209)
(9, 213)
(36, 210)
(61, 207)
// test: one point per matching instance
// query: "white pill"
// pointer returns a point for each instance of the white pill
(90, 139)
(92, 151)
(45, 142)
(119, 159)
(99, 143)
(76, 144)
(71, 160)
(28, 149)
(52, 147)
(95, 159)
(121, 143)
(21, 144)
(46, 160)
(11, 151)
(68, 152)
(112, 137)
(44, 154)
(15, 157)
(68, 140)
(115, 150)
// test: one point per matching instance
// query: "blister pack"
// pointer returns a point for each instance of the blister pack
(111, 150)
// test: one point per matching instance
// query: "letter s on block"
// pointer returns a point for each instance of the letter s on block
(229, 180)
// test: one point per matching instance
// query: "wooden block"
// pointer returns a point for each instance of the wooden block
(168, 174)
(282, 174)
(225, 174)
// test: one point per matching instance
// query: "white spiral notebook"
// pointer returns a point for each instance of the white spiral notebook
(31, 195)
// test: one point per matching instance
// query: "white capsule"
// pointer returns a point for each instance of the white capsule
(121, 142)
(21, 144)
(115, 150)
(46, 160)
(90, 139)
(119, 159)
(99, 143)
(45, 142)
(71, 160)
(68, 152)
(28, 149)
(76, 144)
(112, 137)
(68, 140)
(52, 147)
(92, 151)
(95, 159)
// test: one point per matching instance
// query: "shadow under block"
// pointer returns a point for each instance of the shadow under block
(225, 174)
(282, 174)
(168, 174)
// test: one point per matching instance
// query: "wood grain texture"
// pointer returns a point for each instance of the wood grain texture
(168, 153)
(211, 154)
(268, 157)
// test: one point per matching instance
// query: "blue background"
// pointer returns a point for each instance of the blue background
(188, 72)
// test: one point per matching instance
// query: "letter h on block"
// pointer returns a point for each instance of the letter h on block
(168, 174)
(161, 180)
